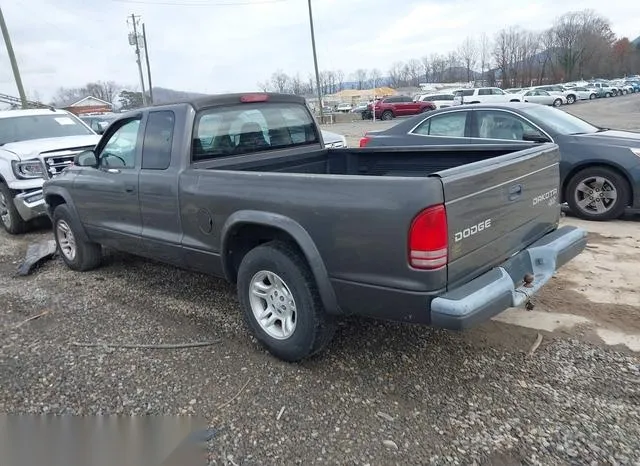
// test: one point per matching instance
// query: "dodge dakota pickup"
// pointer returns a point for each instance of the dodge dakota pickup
(35, 145)
(241, 186)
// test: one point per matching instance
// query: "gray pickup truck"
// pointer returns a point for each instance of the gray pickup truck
(240, 186)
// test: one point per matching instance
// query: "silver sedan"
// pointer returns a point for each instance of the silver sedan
(538, 96)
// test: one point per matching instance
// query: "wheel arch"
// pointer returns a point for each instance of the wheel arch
(244, 230)
(54, 197)
(619, 170)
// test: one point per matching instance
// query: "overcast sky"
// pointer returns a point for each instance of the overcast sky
(211, 46)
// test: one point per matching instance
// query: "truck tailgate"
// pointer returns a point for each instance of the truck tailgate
(497, 207)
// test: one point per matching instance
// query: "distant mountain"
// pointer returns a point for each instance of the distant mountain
(163, 95)
(636, 41)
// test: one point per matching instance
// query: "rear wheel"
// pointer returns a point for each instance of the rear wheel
(281, 303)
(557, 102)
(9, 215)
(597, 193)
(592, 96)
(387, 115)
(78, 254)
(571, 99)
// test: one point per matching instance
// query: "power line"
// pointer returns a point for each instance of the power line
(208, 4)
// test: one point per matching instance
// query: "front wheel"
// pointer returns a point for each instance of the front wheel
(78, 254)
(387, 115)
(571, 99)
(281, 303)
(609, 94)
(592, 96)
(557, 102)
(9, 215)
(597, 193)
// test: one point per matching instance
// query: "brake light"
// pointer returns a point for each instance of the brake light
(248, 98)
(364, 141)
(429, 239)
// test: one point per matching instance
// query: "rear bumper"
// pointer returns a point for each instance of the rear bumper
(503, 286)
(30, 204)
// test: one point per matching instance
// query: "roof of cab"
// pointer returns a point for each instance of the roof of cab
(31, 112)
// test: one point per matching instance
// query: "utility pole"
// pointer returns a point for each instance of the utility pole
(315, 61)
(134, 39)
(146, 56)
(12, 59)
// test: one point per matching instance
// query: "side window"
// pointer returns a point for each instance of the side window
(158, 138)
(484, 92)
(120, 150)
(467, 92)
(496, 91)
(493, 124)
(406, 99)
(448, 124)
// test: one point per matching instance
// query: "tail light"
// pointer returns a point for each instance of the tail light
(429, 239)
(249, 98)
(364, 141)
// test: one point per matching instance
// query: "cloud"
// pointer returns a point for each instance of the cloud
(203, 46)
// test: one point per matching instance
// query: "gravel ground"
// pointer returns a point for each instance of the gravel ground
(382, 394)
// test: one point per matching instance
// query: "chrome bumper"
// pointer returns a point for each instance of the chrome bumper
(30, 205)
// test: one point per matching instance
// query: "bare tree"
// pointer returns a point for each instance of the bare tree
(413, 71)
(452, 63)
(468, 52)
(396, 74)
(106, 91)
(425, 67)
(360, 77)
(280, 81)
(374, 78)
(484, 51)
(339, 74)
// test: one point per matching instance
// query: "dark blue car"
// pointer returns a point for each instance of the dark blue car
(599, 168)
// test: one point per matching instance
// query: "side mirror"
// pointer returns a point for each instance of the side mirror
(86, 159)
(535, 137)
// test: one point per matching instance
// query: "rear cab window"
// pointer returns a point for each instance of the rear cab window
(248, 128)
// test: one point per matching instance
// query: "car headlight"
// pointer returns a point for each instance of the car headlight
(28, 169)
(635, 150)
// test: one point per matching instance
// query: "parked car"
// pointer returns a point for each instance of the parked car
(634, 84)
(559, 90)
(443, 100)
(333, 140)
(607, 89)
(344, 108)
(35, 145)
(599, 167)
(538, 96)
(480, 95)
(397, 106)
(514, 90)
(584, 93)
(241, 187)
(361, 107)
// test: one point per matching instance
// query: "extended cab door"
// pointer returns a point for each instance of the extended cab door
(106, 196)
(158, 188)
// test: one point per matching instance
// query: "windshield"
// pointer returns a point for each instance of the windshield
(560, 121)
(27, 128)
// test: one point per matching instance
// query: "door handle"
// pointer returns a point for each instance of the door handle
(130, 189)
(515, 192)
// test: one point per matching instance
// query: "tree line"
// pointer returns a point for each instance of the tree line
(109, 91)
(579, 45)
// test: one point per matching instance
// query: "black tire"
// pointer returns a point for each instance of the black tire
(608, 94)
(314, 328)
(387, 115)
(557, 102)
(592, 96)
(87, 255)
(9, 216)
(571, 99)
(618, 182)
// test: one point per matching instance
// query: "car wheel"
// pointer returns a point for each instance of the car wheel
(592, 96)
(78, 254)
(608, 94)
(9, 215)
(387, 115)
(571, 99)
(597, 193)
(557, 102)
(281, 303)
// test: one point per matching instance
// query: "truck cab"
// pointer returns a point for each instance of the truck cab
(35, 145)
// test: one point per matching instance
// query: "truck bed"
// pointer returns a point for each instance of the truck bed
(410, 162)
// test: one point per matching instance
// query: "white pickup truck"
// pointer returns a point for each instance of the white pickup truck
(35, 145)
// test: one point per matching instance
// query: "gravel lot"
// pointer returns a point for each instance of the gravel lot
(383, 394)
